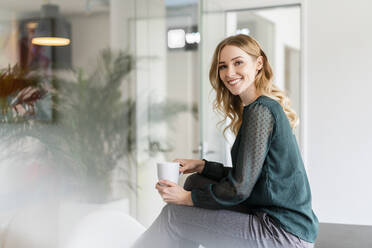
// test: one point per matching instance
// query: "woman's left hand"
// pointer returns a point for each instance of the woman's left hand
(173, 193)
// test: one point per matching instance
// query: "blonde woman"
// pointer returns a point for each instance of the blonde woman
(264, 200)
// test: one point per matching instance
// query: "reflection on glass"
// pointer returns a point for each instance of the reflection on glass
(75, 122)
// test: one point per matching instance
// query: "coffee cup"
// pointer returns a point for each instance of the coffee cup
(168, 171)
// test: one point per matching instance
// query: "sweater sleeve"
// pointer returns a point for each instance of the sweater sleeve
(256, 130)
(214, 170)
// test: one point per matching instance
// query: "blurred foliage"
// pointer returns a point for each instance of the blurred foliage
(94, 127)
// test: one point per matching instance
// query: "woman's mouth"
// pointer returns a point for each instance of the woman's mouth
(234, 81)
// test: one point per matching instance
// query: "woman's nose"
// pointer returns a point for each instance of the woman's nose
(230, 71)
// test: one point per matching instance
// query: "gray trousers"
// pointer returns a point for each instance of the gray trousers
(184, 226)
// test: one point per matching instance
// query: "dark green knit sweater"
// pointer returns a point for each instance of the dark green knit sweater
(268, 174)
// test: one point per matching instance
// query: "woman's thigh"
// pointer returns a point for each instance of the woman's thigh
(224, 228)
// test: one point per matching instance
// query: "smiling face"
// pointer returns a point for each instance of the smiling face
(238, 70)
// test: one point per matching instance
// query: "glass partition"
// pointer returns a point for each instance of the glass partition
(167, 92)
(83, 122)
(67, 109)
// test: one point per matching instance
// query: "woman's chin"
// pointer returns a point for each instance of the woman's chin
(236, 89)
(234, 92)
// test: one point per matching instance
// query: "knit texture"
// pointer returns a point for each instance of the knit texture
(268, 174)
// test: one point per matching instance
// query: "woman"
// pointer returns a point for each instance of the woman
(264, 200)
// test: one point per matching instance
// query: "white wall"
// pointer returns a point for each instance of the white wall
(90, 34)
(287, 33)
(339, 116)
(286, 69)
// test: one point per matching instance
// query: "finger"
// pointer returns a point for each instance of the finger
(158, 186)
(160, 191)
(180, 161)
(161, 187)
(169, 200)
(168, 183)
(160, 183)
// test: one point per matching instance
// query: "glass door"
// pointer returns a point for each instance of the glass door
(213, 145)
(167, 93)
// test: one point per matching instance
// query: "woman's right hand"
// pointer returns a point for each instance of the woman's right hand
(190, 165)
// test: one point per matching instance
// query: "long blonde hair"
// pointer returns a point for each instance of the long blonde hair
(231, 106)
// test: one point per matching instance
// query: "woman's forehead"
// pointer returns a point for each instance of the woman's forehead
(229, 52)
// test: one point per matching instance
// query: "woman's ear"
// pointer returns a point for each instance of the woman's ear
(259, 63)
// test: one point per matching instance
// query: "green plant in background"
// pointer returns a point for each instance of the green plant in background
(96, 121)
(94, 128)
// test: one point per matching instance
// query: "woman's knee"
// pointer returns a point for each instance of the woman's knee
(171, 211)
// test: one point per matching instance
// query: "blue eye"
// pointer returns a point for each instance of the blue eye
(238, 62)
(222, 67)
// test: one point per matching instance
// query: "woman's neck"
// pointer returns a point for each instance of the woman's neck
(249, 96)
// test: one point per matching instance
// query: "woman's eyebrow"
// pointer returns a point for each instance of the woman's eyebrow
(222, 62)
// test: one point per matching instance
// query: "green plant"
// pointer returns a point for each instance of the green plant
(94, 127)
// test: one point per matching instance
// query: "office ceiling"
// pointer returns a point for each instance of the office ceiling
(27, 6)
(66, 7)
(69, 6)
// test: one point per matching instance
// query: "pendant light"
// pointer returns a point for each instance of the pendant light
(51, 30)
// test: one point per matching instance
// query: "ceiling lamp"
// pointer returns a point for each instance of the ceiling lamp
(51, 30)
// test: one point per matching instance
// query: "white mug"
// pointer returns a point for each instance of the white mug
(168, 171)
